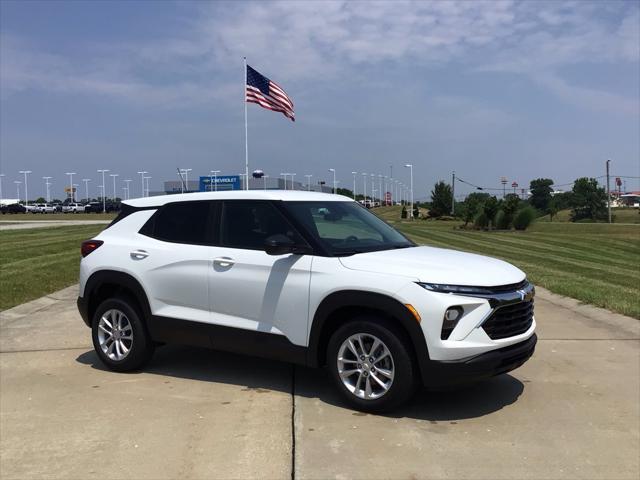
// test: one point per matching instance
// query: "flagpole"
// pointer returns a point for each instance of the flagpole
(246, 137)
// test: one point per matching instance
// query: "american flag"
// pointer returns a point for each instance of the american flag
(268, 94)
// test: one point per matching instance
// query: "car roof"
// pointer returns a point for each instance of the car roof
(283, 195)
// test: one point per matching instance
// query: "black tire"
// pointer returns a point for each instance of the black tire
(405, 376)
(141, 347)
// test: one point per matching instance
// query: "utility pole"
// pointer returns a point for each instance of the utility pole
(86, 187)
(26, 192)
(453, 193)
(608, 193)
(46, 186)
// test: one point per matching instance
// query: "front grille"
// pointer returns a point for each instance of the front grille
(508, 288)
(510, 320)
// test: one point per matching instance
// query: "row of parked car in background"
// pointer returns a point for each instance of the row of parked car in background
(58, 207)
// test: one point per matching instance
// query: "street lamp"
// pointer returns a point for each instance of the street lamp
(46, 187)
(334, 179)
(186, 177)
(26, 192)
(114, 175)
(147, 184)
(373, 199)
(284, 175)
(215, 179)
(1, 175)
(71, 174)
(264, 179)
(292, 175)
(18, 182)
(128, 181)
(104, 191)
(354, 184)
(86, 187)
(142, 180)
(410, 167)
(308, 182)
(380, 188)
(364, 183)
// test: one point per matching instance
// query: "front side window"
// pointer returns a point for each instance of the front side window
(247, 224)
(181, 222)
(346, 228)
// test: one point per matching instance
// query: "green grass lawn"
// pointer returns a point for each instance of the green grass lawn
(38, 261)
(34, 217)
(595, 263)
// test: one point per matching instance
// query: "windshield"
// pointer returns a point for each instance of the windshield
(346, 228)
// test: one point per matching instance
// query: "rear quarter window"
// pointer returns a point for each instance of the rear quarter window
(182, 222)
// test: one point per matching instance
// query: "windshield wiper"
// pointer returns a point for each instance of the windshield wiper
(347, 253)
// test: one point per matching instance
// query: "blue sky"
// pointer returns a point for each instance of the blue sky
(520, 89)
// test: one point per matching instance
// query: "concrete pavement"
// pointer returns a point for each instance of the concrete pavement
(573, 411)
(24, 224)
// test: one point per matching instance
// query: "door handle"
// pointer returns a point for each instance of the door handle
(224, 261)
(139, 254)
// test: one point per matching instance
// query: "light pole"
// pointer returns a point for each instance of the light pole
(284, 175)
(503, 181)
(142, 180)
(334, 179)
(373, 199)
(186, 177)
(264, 179)
(18, 182)
(128, 181)
(364, 189)
(71, 174)
(114, 175)
(147, 184)
(308, 182)
(46, 187)
(104, 191)
(292, 175)
(215, 179)
(86, 187)
(1, 175)
(410, 167)
(354, 184)
(26, 192)
(380, 188)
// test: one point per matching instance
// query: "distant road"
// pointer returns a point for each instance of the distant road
(19, 225)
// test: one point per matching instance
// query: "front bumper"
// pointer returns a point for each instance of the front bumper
(478, 367)
(83, 308)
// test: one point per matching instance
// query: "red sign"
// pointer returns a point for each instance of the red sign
(618, 181)
(514, 185)
(387, 198)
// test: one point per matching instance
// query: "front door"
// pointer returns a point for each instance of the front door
(250, 289)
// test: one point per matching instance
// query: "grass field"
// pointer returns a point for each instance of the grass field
(38, 261)
(595, 263)
(35, 217)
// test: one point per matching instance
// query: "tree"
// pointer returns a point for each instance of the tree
(588, 200)
(440, 199)
(490, 208)
(472, 205)
(540, 193)
(40, 200)
(344, 191)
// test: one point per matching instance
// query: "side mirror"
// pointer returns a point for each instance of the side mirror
(278, 245)
(281, 244)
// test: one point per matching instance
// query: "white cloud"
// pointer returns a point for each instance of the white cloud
(303, 41)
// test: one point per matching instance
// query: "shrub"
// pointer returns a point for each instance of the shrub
(404, 212)
(524, 218)
(416, 212)
(502, 220)
(481, 221)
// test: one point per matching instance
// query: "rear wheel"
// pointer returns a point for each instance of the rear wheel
(120, 338)
(371, 364)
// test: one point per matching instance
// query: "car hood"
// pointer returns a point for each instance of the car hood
(437, 265)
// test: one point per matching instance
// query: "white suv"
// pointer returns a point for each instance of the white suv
(305, 277)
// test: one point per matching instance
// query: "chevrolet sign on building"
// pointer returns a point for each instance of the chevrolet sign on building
(222, 182)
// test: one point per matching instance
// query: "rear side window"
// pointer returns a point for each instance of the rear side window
(181, 222)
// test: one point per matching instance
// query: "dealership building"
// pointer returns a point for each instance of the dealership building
(211, 183)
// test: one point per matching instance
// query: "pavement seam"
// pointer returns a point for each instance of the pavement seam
(45, 350)
(293, 422)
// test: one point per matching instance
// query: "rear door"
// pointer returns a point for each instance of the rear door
(250, 289)
(175, 260)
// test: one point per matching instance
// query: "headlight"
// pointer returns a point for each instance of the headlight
(456, 289)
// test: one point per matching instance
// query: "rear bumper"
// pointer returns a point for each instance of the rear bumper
(83, 308)
(478, 367)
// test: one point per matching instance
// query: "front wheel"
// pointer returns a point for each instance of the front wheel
(371, 364)
(119, 336)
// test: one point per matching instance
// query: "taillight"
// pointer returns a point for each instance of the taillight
(89, 246)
